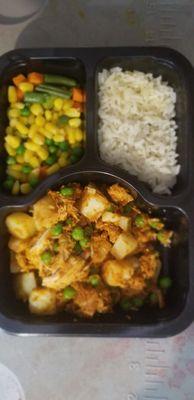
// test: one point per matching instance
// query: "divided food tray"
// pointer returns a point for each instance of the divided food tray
(177, 208)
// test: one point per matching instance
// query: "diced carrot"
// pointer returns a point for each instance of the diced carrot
(36, 78)
(77, 95)
(77, 105)
(20, 94)
(18, 79)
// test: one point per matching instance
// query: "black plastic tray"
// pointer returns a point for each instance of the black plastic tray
(178, 209)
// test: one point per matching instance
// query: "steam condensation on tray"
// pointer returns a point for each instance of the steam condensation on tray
(137, 130)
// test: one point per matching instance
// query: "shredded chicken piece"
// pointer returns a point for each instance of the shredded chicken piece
(66, 207)
(119, 194)
(150, 265)
(113, 231)
(100, 247)
(24, 263)
(45, 213)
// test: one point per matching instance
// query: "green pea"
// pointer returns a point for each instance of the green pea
(84, 243)
(67, 191)
(77, 249)
(11, 160)
(125, 304)
(165, 282)
(33, 181)
(52, 149)
(78, 151)
(64, 146)
(139, 221)
(69, 221)
(49, 142)
(20, 150)
(127, 209)
(26, 169)
(78, 233)
(46, 257)
(57, 229)
(69, 293)
(153, 298)
(56, 247)
(137, 302)
(94, 280)
(74, 159)
(51, 159)
(8, 183)
(25, 112)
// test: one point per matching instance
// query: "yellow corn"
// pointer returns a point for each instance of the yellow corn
(63, 160)
(33, 130)
(43, 153)
(75, 122)
(13, 141)
(55, 117)
(40, 120)
(22, 128)
(31, 119)
(58, 137)
(12, 94)
(27, 155)
(48, 115)
(67, 103)
(34, 173)
(36, 109)
(72, 113)
(16, 167)
(54, 168)
(14, 174)
(24, 120)
(16, 188)
(18, 105)
(13, 113)
(11, 151)
(79, 135)
(38, 138)
(34, 161)
(46, 133)
(9, 130)
(71, 135)
(25, 188)
(13, 122)
(58, 104)
(31, 146)
(26, 87)
(51, 128)
(20, 159)
(62, 131)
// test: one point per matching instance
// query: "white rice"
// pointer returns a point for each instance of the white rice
(137, 130)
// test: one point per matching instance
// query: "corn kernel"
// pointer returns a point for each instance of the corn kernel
(18, 105)
(37, 109)
(13, 113)
(58, 104)
(43, 153)
(58, 137)
(13, 122)
(24, 120)
(31, 119)
(22, 128)
(25, 188)
(67, 103)
(54, 168)
(15, 188)
(63, 160)
(20, 159)
(78, 135)
(72, 113)
(14, 174)
(13, 141)
(48, 115)
(10, 150)
(40, 121)
(31, 146)
(71, 135)
(34, 161)
(34, 173)
(46, 133)
(27, 155)
(33, 130)
(16, 167)
(75, 122)
(9, 130)
(38, 138)
(55, 116)
(12, 94)
(51, 128)
(26, 87)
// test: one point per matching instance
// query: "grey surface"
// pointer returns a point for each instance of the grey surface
(99, 369)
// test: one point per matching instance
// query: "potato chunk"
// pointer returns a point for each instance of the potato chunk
(119, 273)
(119, 194)
(45, 213)
(24, 283)
(123, 222)
(42, 301)
(124, 245)
(18, 245)
(20, 225)
(93, 203)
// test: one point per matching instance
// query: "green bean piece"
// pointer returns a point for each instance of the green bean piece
(59, 80)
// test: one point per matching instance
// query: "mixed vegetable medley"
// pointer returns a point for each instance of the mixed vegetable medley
(86, 249)
(46, 128)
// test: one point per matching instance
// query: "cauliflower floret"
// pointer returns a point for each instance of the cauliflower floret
(93, 203)
(119, 194)
(100, 248)
(124, 245)
(119, 273)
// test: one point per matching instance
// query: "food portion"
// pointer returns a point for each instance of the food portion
(85, 250)
(46, 129)
(137, 128)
